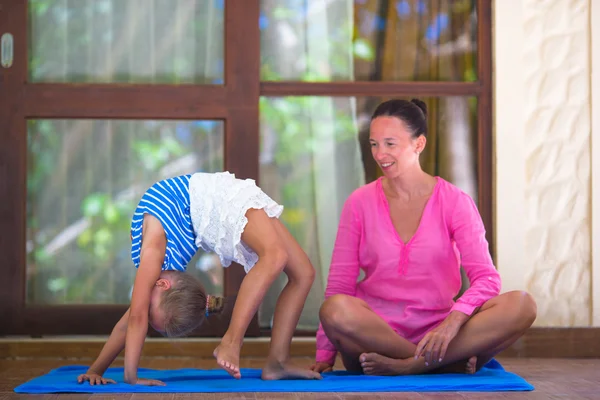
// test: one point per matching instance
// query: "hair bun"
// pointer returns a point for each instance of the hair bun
(214, 304)
(420, 104)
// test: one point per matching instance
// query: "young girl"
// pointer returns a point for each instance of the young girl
(234, 219)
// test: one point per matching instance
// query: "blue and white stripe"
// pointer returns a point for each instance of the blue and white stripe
(169, 202)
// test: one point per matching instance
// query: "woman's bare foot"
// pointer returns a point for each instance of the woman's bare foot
(275, 370)
(471, 365)
(228, 358)
(376, 364)
(461, 367)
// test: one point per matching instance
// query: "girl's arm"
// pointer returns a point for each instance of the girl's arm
(152, 257)
(112, 348)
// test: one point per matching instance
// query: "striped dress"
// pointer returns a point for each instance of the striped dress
(169, 202)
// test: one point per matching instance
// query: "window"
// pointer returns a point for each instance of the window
(105, 96)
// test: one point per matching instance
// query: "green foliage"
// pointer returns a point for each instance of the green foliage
(106, 217)
(155, 154)
(352, 35)
(470, 75)
(363, 50)
(299, 130)
(301, 124)
(72, 273)
(110, 40)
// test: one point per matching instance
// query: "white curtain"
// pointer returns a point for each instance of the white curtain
(85, 176)
(310, 156)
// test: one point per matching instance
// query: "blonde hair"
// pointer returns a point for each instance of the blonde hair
(186, 305)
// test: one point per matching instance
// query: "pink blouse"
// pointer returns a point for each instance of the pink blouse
(410, 285)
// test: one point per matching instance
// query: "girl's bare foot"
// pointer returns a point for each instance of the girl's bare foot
(275, 370)
(228, 358)
(376, 364)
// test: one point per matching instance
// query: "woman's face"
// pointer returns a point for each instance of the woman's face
(393, 147)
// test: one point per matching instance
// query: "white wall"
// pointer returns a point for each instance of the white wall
(542, 58)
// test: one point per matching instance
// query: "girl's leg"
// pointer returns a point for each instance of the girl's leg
(354, 328)
(290, 303)
(260, 234)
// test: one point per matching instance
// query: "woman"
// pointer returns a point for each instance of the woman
(410, 232)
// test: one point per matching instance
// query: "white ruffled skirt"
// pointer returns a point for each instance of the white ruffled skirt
(218, 204)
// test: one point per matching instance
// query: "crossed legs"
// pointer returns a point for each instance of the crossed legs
(366, 342)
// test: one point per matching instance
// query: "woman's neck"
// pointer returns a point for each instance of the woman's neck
(411, 184)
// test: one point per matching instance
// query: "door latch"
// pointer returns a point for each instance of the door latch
(7, 50)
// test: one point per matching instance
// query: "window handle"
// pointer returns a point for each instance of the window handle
(7, 50)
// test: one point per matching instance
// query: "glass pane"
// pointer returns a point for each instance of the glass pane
(84, 180)
(126, 41)
(368, 40)
(315, 151)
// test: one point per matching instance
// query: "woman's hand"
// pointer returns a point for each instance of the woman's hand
(321, 367)
(435, 343)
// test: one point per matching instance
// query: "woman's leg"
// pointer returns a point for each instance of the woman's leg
(498, 324)
(301, 275)
(354, 328)
(260, 234)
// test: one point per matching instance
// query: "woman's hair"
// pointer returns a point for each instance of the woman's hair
(413, 113)
(185, 305)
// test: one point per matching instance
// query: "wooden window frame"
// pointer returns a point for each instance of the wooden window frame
(236, 102)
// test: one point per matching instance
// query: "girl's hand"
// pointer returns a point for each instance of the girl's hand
(150, 382)
(93, 378)
(321, 367)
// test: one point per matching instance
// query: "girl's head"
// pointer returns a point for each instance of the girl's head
(179, 305)
(398, 135)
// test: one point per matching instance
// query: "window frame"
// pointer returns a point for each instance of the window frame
(236, 103)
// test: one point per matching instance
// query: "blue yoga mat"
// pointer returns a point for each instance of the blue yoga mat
(491, 378)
